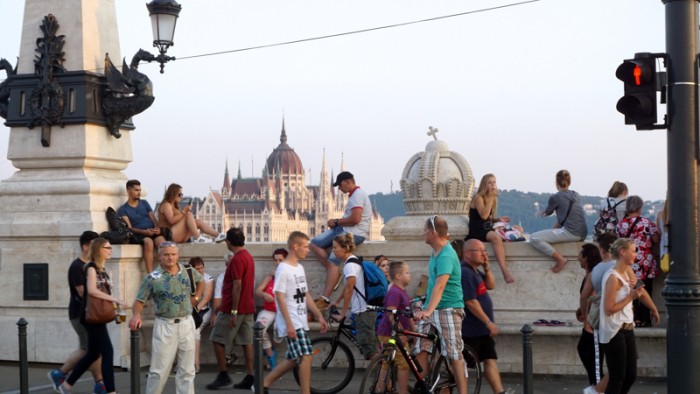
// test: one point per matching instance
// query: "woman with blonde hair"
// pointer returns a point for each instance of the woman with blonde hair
(616, 329)
(99, 343)
(181, 222)
(570, 225)
(482, 216)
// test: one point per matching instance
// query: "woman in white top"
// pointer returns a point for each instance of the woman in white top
(617, 318)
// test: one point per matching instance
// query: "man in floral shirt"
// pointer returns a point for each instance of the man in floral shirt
(173, 330)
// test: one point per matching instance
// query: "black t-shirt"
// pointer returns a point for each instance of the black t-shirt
(76, 277)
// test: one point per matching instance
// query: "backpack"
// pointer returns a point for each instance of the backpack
(119, 233)
(376, 284)
(607, 219)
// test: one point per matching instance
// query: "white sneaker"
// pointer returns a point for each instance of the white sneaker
(220, 238)
(590, 390)
(201, 240)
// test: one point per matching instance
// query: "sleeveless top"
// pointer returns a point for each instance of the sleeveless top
(477, 228)
(610, 325)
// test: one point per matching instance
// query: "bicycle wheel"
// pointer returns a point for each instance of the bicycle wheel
(379, 377)
(331, 366)
(474, 370)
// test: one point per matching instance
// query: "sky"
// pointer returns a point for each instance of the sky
(520, 91)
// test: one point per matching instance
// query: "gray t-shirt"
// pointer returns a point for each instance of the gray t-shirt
(576, 219)
(598, 273)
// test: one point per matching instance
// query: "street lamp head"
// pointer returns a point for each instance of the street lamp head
(164, 15)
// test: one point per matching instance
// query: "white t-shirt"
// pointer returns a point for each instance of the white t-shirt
(610, 325)
(357, 303)
(359, 198)
(218, 287)
(291, 281)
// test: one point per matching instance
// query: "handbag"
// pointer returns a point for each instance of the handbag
(98, 310)
(198, 319)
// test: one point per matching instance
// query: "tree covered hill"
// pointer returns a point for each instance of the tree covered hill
(519, 206)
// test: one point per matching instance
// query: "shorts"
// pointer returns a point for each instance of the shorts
(399, 360)
(484, 346)
(325, 240)
(141, 237)
(241, 334)
(448, 324)
(81, 331)
(301, 346)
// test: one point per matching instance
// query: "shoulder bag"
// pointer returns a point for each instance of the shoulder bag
(198, 319)
(98, 310)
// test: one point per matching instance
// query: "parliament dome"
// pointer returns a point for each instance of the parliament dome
(283, 159)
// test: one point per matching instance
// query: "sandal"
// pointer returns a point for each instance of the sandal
(541, 322)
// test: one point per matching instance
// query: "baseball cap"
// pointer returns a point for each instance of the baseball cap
(343, 176)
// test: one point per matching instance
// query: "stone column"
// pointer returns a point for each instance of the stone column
(60, 190)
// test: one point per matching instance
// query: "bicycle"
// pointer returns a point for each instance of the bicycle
(332, 352)
(380, 376)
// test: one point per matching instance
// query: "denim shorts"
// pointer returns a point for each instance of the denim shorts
(325, 240)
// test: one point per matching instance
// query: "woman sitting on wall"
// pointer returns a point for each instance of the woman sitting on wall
(181, 222)
(482, 216)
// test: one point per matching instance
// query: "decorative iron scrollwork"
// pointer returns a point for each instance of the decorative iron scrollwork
(47, 99)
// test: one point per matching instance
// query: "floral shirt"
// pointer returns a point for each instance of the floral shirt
(645, 265)
(170, 293)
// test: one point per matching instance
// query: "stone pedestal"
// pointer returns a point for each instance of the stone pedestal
(60, 190)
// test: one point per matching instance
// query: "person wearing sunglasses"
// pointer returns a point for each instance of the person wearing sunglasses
(444, 305)
(181, 222)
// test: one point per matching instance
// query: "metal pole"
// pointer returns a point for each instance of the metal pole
(527, 359)
(682, 290)
(135, 363)
(23, 364)
(258, 329)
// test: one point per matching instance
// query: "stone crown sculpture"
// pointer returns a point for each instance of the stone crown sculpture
(437, 181)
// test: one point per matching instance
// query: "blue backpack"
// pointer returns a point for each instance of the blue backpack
(376, 284)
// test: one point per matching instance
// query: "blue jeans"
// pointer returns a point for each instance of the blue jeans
(325, 240)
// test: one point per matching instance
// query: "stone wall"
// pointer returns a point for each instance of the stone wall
(537, 294)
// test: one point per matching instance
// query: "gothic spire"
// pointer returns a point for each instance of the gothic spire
(239, 170)
(283, 137)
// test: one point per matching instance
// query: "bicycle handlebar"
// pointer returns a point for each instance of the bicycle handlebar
(404, 312)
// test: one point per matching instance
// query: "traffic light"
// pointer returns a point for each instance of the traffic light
(639, 102)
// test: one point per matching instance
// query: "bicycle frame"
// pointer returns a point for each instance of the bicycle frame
(395, 340)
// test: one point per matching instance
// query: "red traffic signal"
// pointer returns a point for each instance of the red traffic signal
(639, 102)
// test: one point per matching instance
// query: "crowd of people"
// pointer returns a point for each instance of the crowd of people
(614, 297)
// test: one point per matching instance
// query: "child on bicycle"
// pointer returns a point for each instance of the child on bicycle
(292, 298)
(396, 298)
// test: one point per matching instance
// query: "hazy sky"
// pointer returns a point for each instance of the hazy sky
(521, 91)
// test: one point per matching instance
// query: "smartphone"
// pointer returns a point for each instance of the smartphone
(638, 284)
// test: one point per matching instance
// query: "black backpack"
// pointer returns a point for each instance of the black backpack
(119, 233)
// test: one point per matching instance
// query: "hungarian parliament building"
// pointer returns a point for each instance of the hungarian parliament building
(270, 207)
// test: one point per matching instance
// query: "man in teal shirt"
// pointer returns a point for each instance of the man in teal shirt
(173, 330)
(444, 303)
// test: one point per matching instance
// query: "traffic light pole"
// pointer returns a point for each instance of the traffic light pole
(682, 289)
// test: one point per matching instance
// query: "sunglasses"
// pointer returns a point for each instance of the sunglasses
(180, 194)
(432, 222)
(167, 244)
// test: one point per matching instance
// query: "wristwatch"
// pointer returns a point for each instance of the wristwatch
(336, 223)
(234, 312)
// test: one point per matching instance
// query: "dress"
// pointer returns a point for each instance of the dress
(478, 227)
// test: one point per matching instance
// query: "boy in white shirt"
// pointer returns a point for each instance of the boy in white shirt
(292, 299)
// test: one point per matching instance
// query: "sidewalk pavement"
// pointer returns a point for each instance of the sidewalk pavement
(39, 383)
